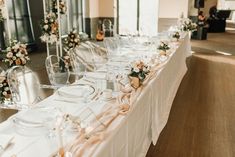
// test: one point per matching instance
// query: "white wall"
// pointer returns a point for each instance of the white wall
(94, 8)
(106, 8)
(223, 4)
(173, 8)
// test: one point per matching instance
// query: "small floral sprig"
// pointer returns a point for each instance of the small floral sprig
(67, 61)
(187, 25)
(163, 46)
(139, 70)
(16, 54)
(62, 7)
(50, 29)
(5, 92)
(71, 41)
(176, 35)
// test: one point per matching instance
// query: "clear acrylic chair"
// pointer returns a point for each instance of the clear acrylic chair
(24, 87)
(107, 28)
(112, 46)
(57, 71)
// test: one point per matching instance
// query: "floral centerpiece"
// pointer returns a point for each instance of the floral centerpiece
(50, 29)
(71, 41)
(176, 36)
(16, 54)
(163, 48)
(5, 92)
(187, 25)
(138, 73)
(62, 6)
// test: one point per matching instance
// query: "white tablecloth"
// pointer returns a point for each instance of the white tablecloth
(129, 135)
(150, 112)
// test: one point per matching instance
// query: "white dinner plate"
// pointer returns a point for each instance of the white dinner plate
(78, 91)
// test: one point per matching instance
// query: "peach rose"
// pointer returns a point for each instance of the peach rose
(18, 61)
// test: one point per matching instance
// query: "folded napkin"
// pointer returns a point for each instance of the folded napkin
(76, 94)
(5, 140)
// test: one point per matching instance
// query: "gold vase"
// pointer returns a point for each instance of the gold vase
(135, 82)
(162, 52)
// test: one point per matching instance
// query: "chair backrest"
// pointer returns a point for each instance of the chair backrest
(86, 56)
(57, 70)
(112, 45)
(107, 24)
(24, 86)
(107, 28)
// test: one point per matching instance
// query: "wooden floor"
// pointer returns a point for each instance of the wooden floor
(202, 118)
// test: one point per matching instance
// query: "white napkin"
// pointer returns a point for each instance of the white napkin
(78, 91)
(5, 140)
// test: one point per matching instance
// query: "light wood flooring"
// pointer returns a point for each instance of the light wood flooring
(202, 118)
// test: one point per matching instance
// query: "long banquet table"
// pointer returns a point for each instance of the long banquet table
(128, 135)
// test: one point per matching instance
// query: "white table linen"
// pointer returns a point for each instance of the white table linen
(129, 135)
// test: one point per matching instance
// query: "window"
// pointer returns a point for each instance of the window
(20, 21)
(137, 16)
(75, 17)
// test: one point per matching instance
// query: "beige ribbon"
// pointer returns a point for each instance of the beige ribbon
(122, 106)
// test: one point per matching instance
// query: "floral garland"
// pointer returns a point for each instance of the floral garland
(16, 54)
(71, 41)
(187, 25)
(163, 46)
(139, 70)
(50, 29)
(5, 92)
(62, 6)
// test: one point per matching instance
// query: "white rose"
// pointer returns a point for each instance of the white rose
(46, 21)
(14, 58)
(43, 38)
(4, 93)
(6, 89)
(17, 46)
(45, 27)
(1, 85)
(145, 69)
(18, 54)
(9, 55)
(136, 70)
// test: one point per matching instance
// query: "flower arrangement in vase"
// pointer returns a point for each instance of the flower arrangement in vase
(5, 93)
(62, 6)
(176, 36)
(50, 29)
(71, 41)
(138, 73)
(16, 54)
(163, 48)
(187, 25)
